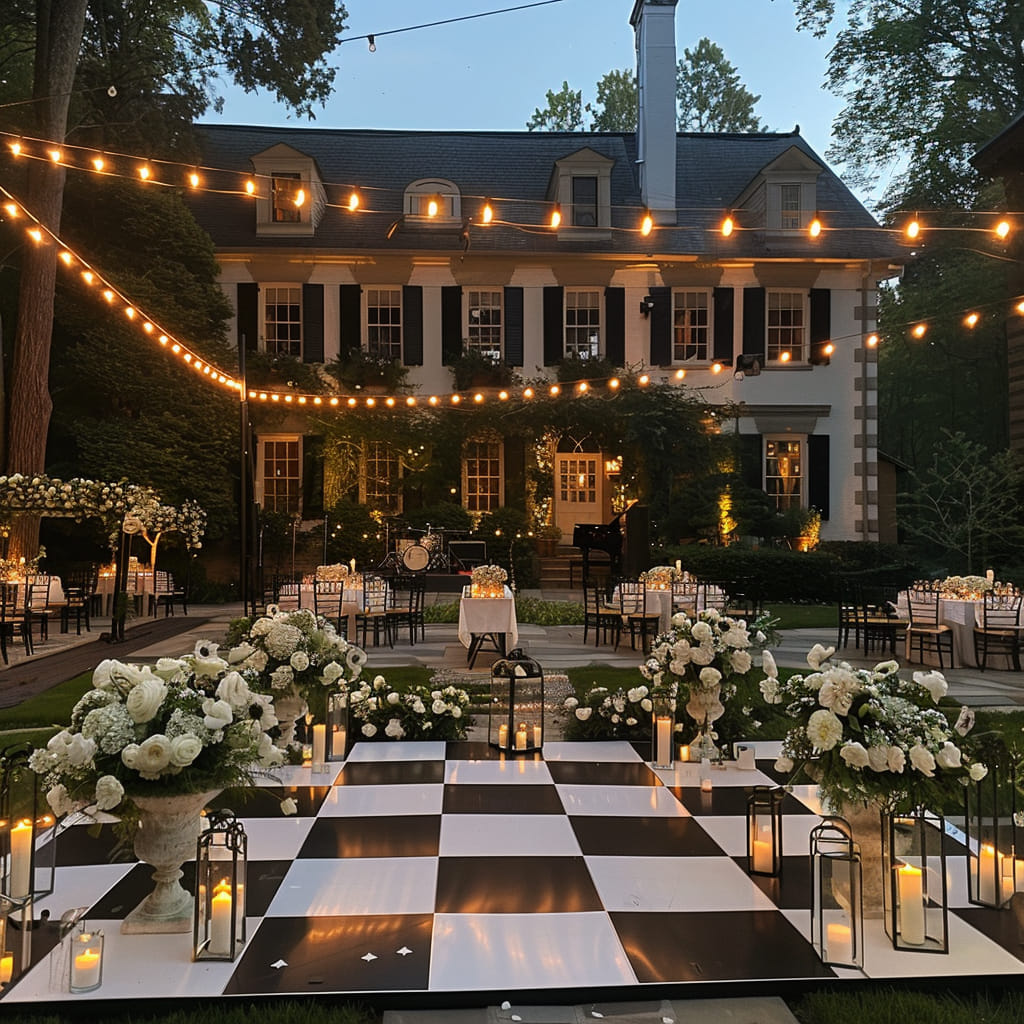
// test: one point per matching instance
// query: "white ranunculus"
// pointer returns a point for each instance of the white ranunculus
(818, 654)
(394, 729)
(948, 756)
(741, 662)
(109, 793)
(824, 729)
(770, 690)
(438, 707)
(921, 759)
(897, 759)
(218, 714)
(878, 759)
(234, 689)
(701, 632)
(768, 665)
(934, 682)
(977, 771)
(784, 765)
(185, 749)
(369, 730)
(571, 702)
(584, 713)
(647, 704)
(153, 757)
(855, 755)
(299, 661)
(289, 806)
(59, 800)
(393, 698)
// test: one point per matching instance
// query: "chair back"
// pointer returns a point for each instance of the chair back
(684, 596)
(632, 598)
(37, 591)
(999, 611)
(923, 606)
(375, 595)
(711, 595)
(327, 597)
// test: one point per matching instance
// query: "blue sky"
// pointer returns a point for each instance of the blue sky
(492, 72)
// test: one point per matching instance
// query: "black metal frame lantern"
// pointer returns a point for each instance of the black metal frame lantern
(6, 954)
(993, 837)
(337, 726)
(27, 832)
(914, 895)
(218, 931)
(515, 721)
(764, 830)
(663, 730)
(837, 908)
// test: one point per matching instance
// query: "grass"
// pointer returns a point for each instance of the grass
(292, 1011)
(899, 1006)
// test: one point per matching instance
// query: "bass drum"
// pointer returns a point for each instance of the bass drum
(415, 558)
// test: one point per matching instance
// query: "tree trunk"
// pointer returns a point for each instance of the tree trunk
(59, 25)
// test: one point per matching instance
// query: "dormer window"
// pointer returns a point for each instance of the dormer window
(287, 198)
(433, 200)
(290, 197)
(786, 190)
(789, 207)
(584, 201)
(582, 184)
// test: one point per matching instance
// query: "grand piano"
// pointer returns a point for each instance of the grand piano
(606, 537)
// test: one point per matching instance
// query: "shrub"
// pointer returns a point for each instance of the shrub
(358, 368)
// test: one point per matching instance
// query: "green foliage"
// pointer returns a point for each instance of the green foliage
(357, 369)
(444, 515)
(353, 534)
(549, 613)
(198, 1011)
(573, 368)
(474, 369)
(615, 110)
(898, 1005)
(563, 113)
(282, 372)
(505, 532)
(710, 95)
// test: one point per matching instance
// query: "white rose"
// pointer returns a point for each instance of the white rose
(438, 707)
(144, 699)
(59, 800)
(948, 756)
(393, 698)
(634, 694)
(109, 792)
(855, 755)
(234, 690)
(770, 690)
(630, 721)
(394, 729)
(768, 665)
(921, 758)
(168, 668)
(977, 771)
(647, 704)
(584, 713)
(419, 708)
(571, 702)
(218, 714)
(878, 759)
(289, 806)
(184, 750)
(153, 757)
(332, 670)
(456, 712)
(934, 682)
(741, 662)
(369, 729)
(701, 631)
(897, 759)
(299, 661)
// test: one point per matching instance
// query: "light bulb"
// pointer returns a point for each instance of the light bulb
(728, 226)
(814, 228)
(488, 212)
(353, 201)
(193, 180)
(556, 217)
(98, 163)
(913, 229)
(646, 225)
(1002, 229)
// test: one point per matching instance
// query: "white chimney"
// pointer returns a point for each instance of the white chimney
(654, 24)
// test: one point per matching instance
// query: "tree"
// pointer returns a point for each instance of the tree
(564, 112)
(615, 110)
(710, 95)
(174, 49)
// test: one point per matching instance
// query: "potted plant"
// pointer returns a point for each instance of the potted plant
(358, 369)
(479, 370)
(548, 537)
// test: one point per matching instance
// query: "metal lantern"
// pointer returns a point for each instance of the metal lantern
(6, 953)
(663, 728)
(27, 832)
(515, 722)
(219, 922)
(337, 726)
(993, 838)
(914, 894)
(837, 909)
(764, 830)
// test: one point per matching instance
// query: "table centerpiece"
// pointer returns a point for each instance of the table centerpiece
(488, 581)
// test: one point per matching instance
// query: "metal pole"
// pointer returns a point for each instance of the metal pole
(243, 475)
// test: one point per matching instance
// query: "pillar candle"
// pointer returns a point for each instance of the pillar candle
(6, 967)
(319, 745)
(664, 731)
(220, 922)
(352, 565)
(684, 753)
(85, 970)
(679, 565)
(537, 736)
(763, 849)
(521, 738)
(21, 859)
(990, 575)
(839, 942)
(502, 736)
(987, 867)
(910, 882)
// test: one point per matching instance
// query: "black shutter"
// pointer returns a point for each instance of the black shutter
(312, 323)
(451, 323)
(554, 325)
(661, 327)
(754, 343)
(818, 473)
(312, 476)
(412, 325)
(723, 313)
(821, 325)
(615, 326)
(515, 472)
(249, 315)
(350, 320)
(751, 454)
(514, 326)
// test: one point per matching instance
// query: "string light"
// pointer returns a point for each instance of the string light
(556, 217)
(872, 340)
(919, 330)
(814, 228)
(728, 226)
(487, 215)
(646, 225)
(1003, 229)
(913, 229)
(144, 172)
(353, 202)
(98, 163)
(193, 180)
(972, 320)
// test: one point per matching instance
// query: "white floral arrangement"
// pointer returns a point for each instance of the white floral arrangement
(489, 576)
(612, 714)
(965, 587)
(184, 725)
(661, 577)
(419, 713)
(295, 654)
(336, 573)
(868, 736)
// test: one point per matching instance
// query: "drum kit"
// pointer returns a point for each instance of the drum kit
(422, 551)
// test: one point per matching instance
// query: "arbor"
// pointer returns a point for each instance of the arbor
(710, 95)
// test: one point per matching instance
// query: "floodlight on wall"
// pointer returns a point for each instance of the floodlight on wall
(646, 305)
(747, 365)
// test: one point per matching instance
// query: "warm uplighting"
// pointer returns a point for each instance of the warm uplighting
(1020, 307)
(108, 295)
(88, 276)
(502, 396)
(919, 330)
(432, 400)
(972, 320)
(147, 327)
(478, 398)
(556, 217)
(1003, 229)
(582, 387)
(16, 148)
(129, 312)
(646, 225)
(410, 400)
(35, 234)
(728, 226)
(371, 403)
(814, 228)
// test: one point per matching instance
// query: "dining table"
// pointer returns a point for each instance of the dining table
(140, 589)
(960, 615)
(660, 599)
(483, 619)
(293, 596)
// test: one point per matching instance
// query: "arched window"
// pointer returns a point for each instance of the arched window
(433, 200)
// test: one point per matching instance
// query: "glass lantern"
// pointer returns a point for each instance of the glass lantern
(837, 909)
(993, 838)
(218, 931)
(764, 830)
(663, 728)
(86, 970)
(515, 721)
(337, 726)
(914, 896)
(27, 832)
(6, 953)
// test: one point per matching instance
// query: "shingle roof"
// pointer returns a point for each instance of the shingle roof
(712, 171)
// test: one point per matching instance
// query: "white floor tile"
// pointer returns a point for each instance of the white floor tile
(599, 751)
(507, 771)
(81, 886)
(512, 951)
(509, 835)
(276, 838)
(621, 800)
(398, 750)
(352, 801)
(300, 775)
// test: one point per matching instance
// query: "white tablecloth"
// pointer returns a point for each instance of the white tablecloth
(661, 601)
(960, 616)
(294, 596)
(54, 597)
(480, 615)
(105, 591)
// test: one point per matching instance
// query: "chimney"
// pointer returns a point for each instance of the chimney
(654, 25)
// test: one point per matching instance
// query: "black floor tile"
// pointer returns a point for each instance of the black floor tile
(83, 844)
(715, 946)
(262, 880)
(602, 773)
(413, 835)
(123, 897)
(325, 954)
(791, 890)
(265, 801)
(999, 925)
(498, 799)
(463, 750)
(514, 885)
(731, 800)
(390, 773)
(608, 836)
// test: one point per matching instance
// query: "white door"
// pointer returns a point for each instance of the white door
(579, 491)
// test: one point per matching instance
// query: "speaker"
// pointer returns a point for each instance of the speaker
(468, 552)
(636, 549)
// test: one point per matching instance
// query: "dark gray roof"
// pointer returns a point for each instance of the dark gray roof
(1003, 152)
(514, 169)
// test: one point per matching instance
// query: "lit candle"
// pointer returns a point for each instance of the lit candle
(988, 865)
(86, 961)
(21, 859)
(339, 739)
(705, 785)
(352, 565)
(839, 942)
(220, 922)
(764, 850)
(990, 575)
(521, 738)
(319, 746)
(6, 968)
(910, 885)
(502, 736)
(536, 736)
(679, 566)
(684, 753)
(664, 731)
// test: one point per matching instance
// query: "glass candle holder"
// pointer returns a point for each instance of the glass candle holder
(86, 962)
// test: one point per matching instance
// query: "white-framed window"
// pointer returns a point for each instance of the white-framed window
(690, 325)
(784, 472)
(577, 480)
(384, 322)
(582, 323)
(280, 473)
(433, 200)
(484, 325)
(380, 482)
(790, 212)
(282, 319)
(287, 198)
(786, 317)
(584, 201)
(482, 475)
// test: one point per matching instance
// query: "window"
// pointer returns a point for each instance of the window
(279, 473)
(689, 326)
(582, 324)
(786, 326)
(789, 208)
(482, 475)
(384, 322)
(577, 480)
(282, 320)
(584, 202)
(284, 190)
(380, 484)
(433, 199)
(783, 472)
(484, 330)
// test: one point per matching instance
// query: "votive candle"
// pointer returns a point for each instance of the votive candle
(6, 968)
(502, 736)
(521, 738)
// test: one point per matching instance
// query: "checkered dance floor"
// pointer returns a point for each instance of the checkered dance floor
(435, 869)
